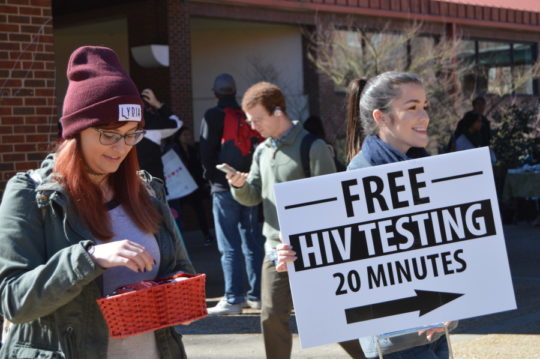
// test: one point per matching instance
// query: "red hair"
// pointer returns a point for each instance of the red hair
(87, 198)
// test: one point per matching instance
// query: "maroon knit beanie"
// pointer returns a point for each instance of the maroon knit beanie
(99, 91)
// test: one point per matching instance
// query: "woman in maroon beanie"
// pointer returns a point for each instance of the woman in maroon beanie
(84, 224)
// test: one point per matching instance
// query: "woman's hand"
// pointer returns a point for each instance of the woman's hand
(430, 332)
(237, 179)
(285, 254)
(123, 253)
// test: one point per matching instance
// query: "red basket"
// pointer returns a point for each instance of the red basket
(157, 307)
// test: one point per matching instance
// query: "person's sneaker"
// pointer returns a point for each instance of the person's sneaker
(253, 304)
(224, 308)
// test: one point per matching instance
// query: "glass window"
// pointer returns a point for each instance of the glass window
(495, 64)
(423, 57)
(346, 56)
(468, 74)
(421, 44)
(494, 54)
(523, 61)
(354, 39)
(467, 52)
(386, 52)
(499, 79)
(497, 67)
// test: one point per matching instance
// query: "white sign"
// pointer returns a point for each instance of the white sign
(392, 247)
(177, 178)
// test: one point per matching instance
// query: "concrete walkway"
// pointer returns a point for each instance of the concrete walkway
(509, 335)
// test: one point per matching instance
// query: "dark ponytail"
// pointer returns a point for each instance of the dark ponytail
(354, 127)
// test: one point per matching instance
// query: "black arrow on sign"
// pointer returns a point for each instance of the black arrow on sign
(424, 301)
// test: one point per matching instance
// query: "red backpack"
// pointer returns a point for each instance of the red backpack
(236, 128)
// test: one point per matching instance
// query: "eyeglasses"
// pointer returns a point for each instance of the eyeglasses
(254, 122)
(109, 138)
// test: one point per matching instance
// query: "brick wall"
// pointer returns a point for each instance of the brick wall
(147, 25)
(311, 81)
(180, 88)
(27, 102)
(179, 32)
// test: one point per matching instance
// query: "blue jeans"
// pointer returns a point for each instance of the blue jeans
(240, 243)
(436, 350)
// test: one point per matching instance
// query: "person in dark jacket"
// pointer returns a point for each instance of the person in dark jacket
(182, 144)
(84, 224)
(313, 124)
(482, 136)
(159, 123)
(479, 108)
(238, 232)
(388, 123)
(468, 134)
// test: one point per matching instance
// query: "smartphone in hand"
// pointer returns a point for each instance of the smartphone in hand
(226, 168)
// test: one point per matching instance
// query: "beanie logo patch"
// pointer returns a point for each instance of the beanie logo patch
(129, 112)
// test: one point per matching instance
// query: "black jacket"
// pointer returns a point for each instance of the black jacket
(158, 125)
(214, 152)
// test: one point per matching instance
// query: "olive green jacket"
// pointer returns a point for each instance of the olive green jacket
(49, 283)
(273, 165)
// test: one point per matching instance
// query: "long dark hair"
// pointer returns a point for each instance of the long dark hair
(354, 129)
(366, 97)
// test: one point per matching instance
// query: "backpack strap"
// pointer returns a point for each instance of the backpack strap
(257, 154)
(305, 147)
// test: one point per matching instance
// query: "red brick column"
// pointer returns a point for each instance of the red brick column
(27, 88)
(311, 79)
(178, 20)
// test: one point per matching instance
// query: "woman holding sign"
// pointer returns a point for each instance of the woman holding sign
(84, 224)
(391, 111)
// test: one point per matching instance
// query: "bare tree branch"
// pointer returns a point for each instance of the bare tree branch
(351, 50)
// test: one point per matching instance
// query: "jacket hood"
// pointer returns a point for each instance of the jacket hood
(44, 174)
(47, 184)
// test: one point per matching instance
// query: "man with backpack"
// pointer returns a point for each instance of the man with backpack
(278, 159)
(227, 138)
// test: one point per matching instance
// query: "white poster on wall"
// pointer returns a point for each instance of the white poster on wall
(393, 247)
